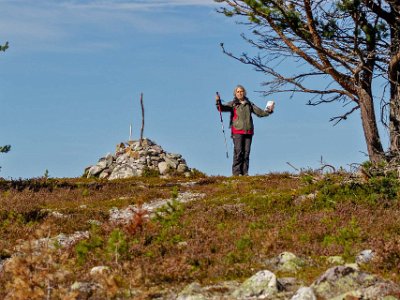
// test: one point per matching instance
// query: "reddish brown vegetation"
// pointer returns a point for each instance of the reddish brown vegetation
(226, 235)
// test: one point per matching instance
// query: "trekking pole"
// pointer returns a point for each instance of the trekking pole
(222, 123)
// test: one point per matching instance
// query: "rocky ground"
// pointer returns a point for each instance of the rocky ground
(340, 281)
(276, 236)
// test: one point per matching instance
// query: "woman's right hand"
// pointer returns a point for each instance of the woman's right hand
(218, 100)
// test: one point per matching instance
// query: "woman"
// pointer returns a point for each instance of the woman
(241, 123)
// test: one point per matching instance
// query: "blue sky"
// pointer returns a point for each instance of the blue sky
(71, 80)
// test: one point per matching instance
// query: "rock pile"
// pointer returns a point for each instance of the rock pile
(135, 159)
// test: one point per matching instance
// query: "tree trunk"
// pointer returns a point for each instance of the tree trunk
(394, 77)
(370, 128)
(394, 120)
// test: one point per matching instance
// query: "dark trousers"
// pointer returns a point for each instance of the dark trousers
(241, 153)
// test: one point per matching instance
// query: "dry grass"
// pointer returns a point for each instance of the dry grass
(226, 235)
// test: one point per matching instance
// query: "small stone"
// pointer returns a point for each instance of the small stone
(122, 158)
(120, 147)
(69, 240)
(86, 171)
(289, 284)
(365, 256)
(155, 158)
(133, 154)
(57, 215)
(155, 151)
(304, 293)
(353, 266)
(123, 171)
(105, 174)
(263, 284)
(147, 142)
(94, 170)
(123, 216)
(1, 265)
(182, 245)
(163, 167)
(85, 288)
(335, 260)
(182, 168)
(289, 262)
(174, 155)
(94, 222)
(109, 160)
(99, 270)
(191, 292)
(341, 279)
(171, 162)
(102, 164)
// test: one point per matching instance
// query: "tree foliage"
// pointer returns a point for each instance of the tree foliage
(4, 47)
(346, 44)
(5, 149)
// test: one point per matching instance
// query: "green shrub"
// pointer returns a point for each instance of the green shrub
(244, 243)
(307, 178)
(84, 247)
(197, 174)
(372, 192)
(85, 193)
(346, 237)
(117, 245)
(147, 172)
(386, 187)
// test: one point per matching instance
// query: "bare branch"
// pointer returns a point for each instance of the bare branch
(338, 119)
(281, 80)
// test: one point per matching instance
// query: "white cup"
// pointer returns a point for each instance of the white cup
(269, 105)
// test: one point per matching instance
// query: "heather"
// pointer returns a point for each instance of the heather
(227, 234)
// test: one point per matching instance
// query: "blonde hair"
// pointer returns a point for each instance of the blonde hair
(239, 87)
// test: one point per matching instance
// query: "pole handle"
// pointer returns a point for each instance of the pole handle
(219, 104)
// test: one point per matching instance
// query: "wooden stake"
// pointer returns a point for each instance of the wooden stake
(142, 129)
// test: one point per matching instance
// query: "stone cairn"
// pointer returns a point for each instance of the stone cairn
(134, 159)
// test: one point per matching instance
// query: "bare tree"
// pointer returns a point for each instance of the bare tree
(342, 43)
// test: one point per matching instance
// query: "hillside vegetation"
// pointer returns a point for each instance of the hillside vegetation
(226, 234)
